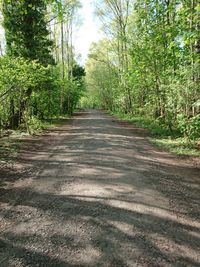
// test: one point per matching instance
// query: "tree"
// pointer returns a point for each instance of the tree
(64, 14)
(115, 17)
(26, 30)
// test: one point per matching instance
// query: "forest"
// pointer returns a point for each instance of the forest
(99, 152)
(146, 66)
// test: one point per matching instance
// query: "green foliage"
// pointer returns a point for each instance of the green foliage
(149, 123)
(190, 127)
(21, 74)
(73, 91)
(33, 125)
(194, 127)
(162, 137)
(89, 102)
(150, 70)
(18, 77)
(183, 124)
(32, 87)
(26, 30)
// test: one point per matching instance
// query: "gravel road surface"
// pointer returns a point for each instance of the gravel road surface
(94, 192)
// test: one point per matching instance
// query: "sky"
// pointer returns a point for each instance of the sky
(88, 31)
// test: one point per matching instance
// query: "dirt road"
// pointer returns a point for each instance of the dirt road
(94, 192)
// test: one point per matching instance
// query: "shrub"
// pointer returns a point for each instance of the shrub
(190, 127)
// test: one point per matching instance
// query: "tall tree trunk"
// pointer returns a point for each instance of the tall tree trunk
(63, 66)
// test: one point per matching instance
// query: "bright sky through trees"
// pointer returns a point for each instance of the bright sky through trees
(88, 31)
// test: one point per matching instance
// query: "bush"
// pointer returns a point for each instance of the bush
(194, 127)
(190, 127)
(19, 79)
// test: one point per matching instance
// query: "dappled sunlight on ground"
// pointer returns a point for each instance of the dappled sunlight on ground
(96, 193)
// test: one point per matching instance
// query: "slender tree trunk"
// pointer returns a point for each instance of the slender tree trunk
(63, 66)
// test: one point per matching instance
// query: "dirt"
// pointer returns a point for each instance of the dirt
(95, 192)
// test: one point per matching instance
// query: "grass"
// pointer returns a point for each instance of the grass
(163, 137)
(8, 148)
(179, 146)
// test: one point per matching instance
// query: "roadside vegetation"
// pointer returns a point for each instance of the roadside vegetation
(160, 135)
(147, 68)
(39, 76)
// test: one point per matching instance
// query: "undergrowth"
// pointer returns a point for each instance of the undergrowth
(161, 136)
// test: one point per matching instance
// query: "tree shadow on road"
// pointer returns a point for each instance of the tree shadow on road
(145, 213)
(118, 235)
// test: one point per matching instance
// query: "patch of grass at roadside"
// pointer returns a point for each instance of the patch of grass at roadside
(179, 146)
(163, 137)
(10, 140)
(8, 148)
(36, 126)
(152, 125)
(51, 123)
